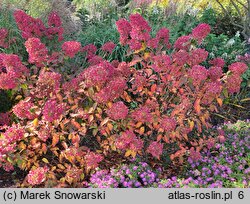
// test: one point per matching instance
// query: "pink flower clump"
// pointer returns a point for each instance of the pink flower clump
(4, 119)
(215, 73)
(71, 48)
(29, 26)
(134, 32)
(124, 28)
(55, 26)
(52, 110)
(163, 35)
(108, 47)
(201, 32)
(118, 111)
(95, 60)
(98, 75)
(92, 160)
(37, 176)
(155, 149)
(238, 68)
(197, 56)
(181, 57)
(213, 90)
(90, 50)
(38, 53)
(123, 69)
(195, 155)
(44, 134)
(218, 62)
(54, 20)
(3, 38)
(47, 83)
(112, 90)
(23, 110)
(161, 63)
(233, 83)
(198, 74)
(128, 140)
(183, 43)
(168, 124)
(11, 71)
(142, 114)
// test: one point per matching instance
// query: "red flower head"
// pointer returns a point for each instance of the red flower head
(11, 70)
(213, 90)
(47, 83)
(123, 69)
(163, 35)
(37, 176)
(181, 57)
(217, 62)
(233, 83)
(137, 22)
(98, 75)
(90, 50)
(29, 26)
(195, 155)
(108, 47)
(112, 90)
(92, 160)
(128, 140)
(3, 38)
(95, 60)
(124, 28)
(168, 124)
(23, 110)
(71, 48)
(38, 53)
(155, 149)
(14, 133)
(198, 74)
(201, 32)
(52, 110)
(161, 63)
(142, 114)
(183, 43)
(54, 20)
(118, 111)
(238, 68)
(197, 56)
(215, 73)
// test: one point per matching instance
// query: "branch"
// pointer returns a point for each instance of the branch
(237, 9)
(228, 14)
(242, 4)
(223, 8)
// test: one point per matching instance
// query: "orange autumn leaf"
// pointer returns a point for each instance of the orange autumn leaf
(153, 88)
(138, 124)
(55, 140)
(191, 124)
(220, 102)
(110, 126)
(35, 122)
(197, 106)
(128, 153)
(142, 130)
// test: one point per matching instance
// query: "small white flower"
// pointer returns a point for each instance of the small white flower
(224, 55)
(155, 10)
(212, 55)
(237, 34)
(230, 42)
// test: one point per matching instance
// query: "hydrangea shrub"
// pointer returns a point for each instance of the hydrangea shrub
(64, 126)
